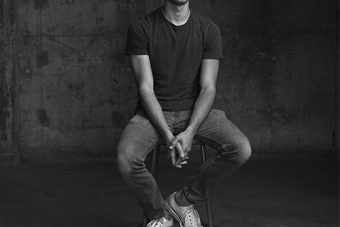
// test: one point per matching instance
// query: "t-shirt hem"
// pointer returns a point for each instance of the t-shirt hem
(136, 53)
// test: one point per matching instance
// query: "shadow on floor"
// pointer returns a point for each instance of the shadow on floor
(264, 192)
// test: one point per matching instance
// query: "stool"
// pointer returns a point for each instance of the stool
(153, 171)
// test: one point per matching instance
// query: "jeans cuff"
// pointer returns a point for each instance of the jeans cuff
(187, 195)
(157, 216)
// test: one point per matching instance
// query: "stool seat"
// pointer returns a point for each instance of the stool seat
(153, 170)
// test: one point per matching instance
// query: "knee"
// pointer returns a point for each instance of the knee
(244, 149)
(123, 164)
(125, 160)
(239, 149)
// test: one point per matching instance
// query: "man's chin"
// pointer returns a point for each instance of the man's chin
(178, 2)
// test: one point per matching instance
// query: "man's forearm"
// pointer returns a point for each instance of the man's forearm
(201, 108)
(154, 111)
(141, 67)
(205, 100)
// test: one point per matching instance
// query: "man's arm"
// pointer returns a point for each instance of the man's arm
(141, 68)
(203, 104)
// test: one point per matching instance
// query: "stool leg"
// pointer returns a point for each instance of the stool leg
(145, 221)
(153, 171)
(154, 161)
(210, 216)
(208, 204)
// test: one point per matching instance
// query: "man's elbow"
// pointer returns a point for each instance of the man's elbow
(209, 89)
(145, 90)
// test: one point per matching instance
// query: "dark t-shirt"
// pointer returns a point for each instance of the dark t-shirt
(175, 53)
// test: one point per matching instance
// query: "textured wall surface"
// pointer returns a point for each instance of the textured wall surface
(8, 79)
(74, 92)
(277, 81)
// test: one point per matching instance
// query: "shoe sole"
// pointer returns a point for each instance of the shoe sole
(173, 225)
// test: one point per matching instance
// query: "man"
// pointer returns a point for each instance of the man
(174, 54)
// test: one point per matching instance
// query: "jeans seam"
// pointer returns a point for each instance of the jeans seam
(210, 161)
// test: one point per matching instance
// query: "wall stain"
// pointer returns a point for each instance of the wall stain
(69, 2)
(42, 59)
(213, 2)
(99, 20)
(40, 4)
(118, 119)
(43, 118)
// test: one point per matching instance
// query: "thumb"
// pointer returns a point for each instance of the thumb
(173, 143)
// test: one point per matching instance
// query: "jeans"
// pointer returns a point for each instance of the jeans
(140, 137)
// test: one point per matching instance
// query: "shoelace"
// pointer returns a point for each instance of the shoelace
(193, 218)
(156, 223)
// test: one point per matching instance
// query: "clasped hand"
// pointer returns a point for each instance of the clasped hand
(179, 148)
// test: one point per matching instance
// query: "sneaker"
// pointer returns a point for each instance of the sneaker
(186, 216)
(162, 222)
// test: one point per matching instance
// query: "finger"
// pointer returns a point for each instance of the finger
(178, 160)
(173, 157)
(187, 152)
(180, 150)
(173, 143)
(183, 163)
(178, 165)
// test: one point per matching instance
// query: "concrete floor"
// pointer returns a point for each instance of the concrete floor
(264, 192)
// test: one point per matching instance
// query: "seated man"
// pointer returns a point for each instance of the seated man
(174, 54)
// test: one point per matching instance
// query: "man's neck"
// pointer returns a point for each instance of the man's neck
(176, 14)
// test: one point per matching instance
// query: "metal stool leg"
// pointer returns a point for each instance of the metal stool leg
(145, 221)
(154, 161)
(153, 171)
(208, 204)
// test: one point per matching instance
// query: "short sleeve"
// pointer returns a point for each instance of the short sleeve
(137, 41)
(213, 43)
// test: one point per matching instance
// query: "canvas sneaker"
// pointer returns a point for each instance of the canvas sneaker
(186, 216)
(161, 222)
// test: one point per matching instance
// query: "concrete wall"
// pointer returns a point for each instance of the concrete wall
(67, 90)
(8, 78)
